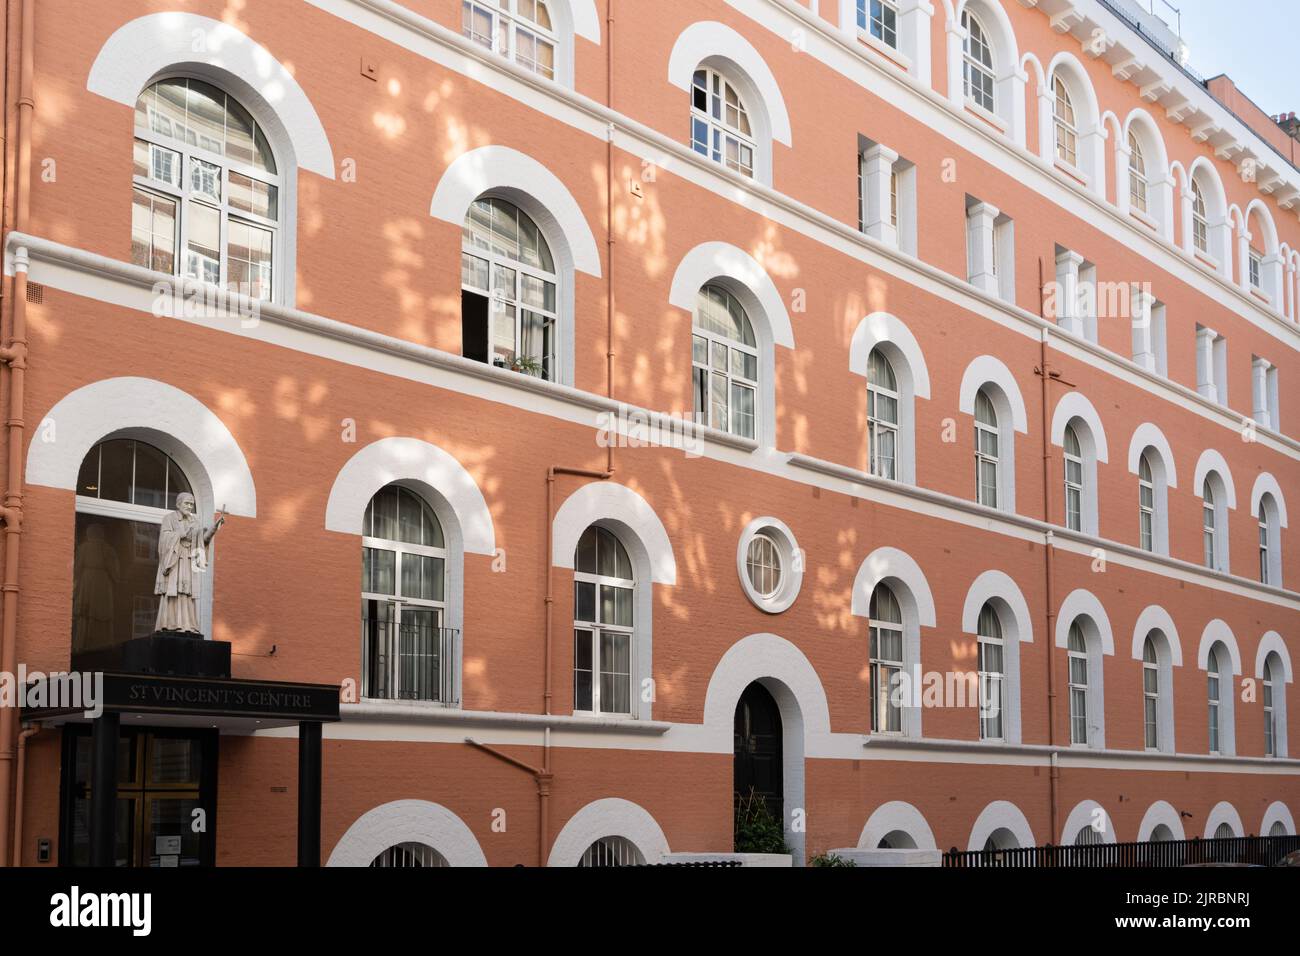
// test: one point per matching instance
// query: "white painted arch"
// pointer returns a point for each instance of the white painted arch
(1076, 405)
(896, 815)
(140, 50)
(1087, 813)
(1001, 815)
(985, 370)
(1160, 812)
(1215, 632)
(997, 585)
(1224, 812)
(1272, 643)
(1081, 602)
(1212, 460)
(608, 817)
(152, 411)
(1148, 435)
(516, 176)
(1155, 618)
(1277, 812)
(408, 821)
(607, 501)
(1266, 484)
(890, 564)
(586, 19)
(881, 328)
(410, 461)
(711, 261)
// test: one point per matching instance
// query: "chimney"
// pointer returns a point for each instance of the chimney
(1290, 124)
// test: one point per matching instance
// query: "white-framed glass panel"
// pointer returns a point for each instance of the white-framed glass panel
(886, 618)
(206, 203)
(724, 364)
(509, 290)
(1150, 695)
(880, 19)
(1200, 220)
(1270, 725)
(520, 30)
(992, 676)
(1263, 546)
(604, 593)
(407, 654)
(1209, 521)
(409, 856)
(612, 851)
(986, 450)
(977, 54)
(720, 126)
(1067, 132)
(1214, 697)
(1146, 504)
(124, 489)
(763, 565)
(1256, 260)
(1077, 656)
(882, 415)
(1137, 174)
(1073, 480)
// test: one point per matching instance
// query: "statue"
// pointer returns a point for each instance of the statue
(182, 556)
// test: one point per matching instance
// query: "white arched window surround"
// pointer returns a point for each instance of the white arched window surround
(1261, 234)
(1149, 440)
(1277, 812)
(993, 376)
(886, 332)
(1221, 813)
(1217, 635)
(1074, 410)
(790, 562)
(1273, 663)
(1268, 507)
(1088, 813)
(1083, 607)
(1141, 128)
(904, 577)
(1212, 469)
(715, 46)
(1089, 133)
(1156, 623)
(162, 44)
(569, 19)
(903, 824)
(630, 518)
(504, 173)
(1003, 822)
(1008, 77)
(998, 590)
(736, 271)
(1217, 226)
(407, 821)
(604, 818)
(1160, 814)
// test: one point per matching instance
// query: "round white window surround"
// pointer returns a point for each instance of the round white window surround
(791, 564)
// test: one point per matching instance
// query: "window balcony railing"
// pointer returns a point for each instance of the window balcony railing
(409, 661)
(1215, 851)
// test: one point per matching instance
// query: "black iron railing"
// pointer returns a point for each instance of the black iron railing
(1253, 851)
(408, 661)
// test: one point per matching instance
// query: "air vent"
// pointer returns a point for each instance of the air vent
(35, 292)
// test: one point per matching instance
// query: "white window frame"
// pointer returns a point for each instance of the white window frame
(1150, 695)
(1214, 695)
(879, 426)
(977, 57)
(720, 133)
(1138, 184)
(1064, 125)
(1200, 220)
(733, 380)
(987, 433)
(596, 628)
(1075, 477)
(1210, 529)
(989, 678)
(885, 671)
(1146, 505)
(880, 19)
(1266, 697)
(1079, 690)
(506, 25)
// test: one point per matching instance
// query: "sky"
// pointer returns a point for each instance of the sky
(1253, 41)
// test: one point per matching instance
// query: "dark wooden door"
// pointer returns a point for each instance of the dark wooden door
(758, 748)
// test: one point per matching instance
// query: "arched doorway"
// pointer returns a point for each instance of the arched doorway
(759, 769)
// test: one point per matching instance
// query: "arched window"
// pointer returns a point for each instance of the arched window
(886, 661)
(1278, 829)
(604, 596)
(124, 489)
(1214, 668)
(1137, 174)
(408, 856)
(1200, 220)
(1214, 520)
(1271, 675)
(1267, 559)
(207, 193)
(1077, 651)
(508, 290)
(724, 360)
(882, 415)
(520, 30)
(720, 126)
(986, 450)
(978, 58)
(407, 654)
(1088, 836)
(763, 565)
(1073, 480)
(612, 851)
(1150, 695)
(1146, 504)
(1224, 831)
(880, 17)
(1067, 131)
(991, 675)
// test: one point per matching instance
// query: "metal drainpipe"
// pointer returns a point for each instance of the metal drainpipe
(15, 355)
(31, 730)
(1044, 372)
(543, 777)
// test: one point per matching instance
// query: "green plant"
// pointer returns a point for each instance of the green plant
(757, 831)
(526, 364)
(830, 859)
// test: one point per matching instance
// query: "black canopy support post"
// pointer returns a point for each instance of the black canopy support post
(309, 786)
(103, 789)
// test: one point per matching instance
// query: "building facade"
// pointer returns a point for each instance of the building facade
(619, 401)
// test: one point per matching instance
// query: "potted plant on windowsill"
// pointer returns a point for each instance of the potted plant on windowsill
(526, 365)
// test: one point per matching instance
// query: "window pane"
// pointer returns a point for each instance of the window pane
(249, 195)
(205, 179)
(422, 577)
(584, 601)
(381, 516)
(150, 476)
(249, 260)
(115, 563)
(153, 232)
(615, 673)
(204, 255)
(582, 670)
(378, 571)
(742, 410)
(205, 116)
(117, 464)
(239, 133)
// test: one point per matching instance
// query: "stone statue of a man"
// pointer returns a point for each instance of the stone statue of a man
(182, 556)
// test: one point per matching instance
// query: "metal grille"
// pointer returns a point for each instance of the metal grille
(407, 855)
(612, 851)
(35, 292)
(409, 661)
(1256, 851)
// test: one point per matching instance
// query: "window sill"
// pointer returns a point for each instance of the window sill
(1069, 751)
(1070, 171)
(1262, 296)
(992, 119)
(1144, 219)
(1205, 259)
(889, 53)
(430, 712)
